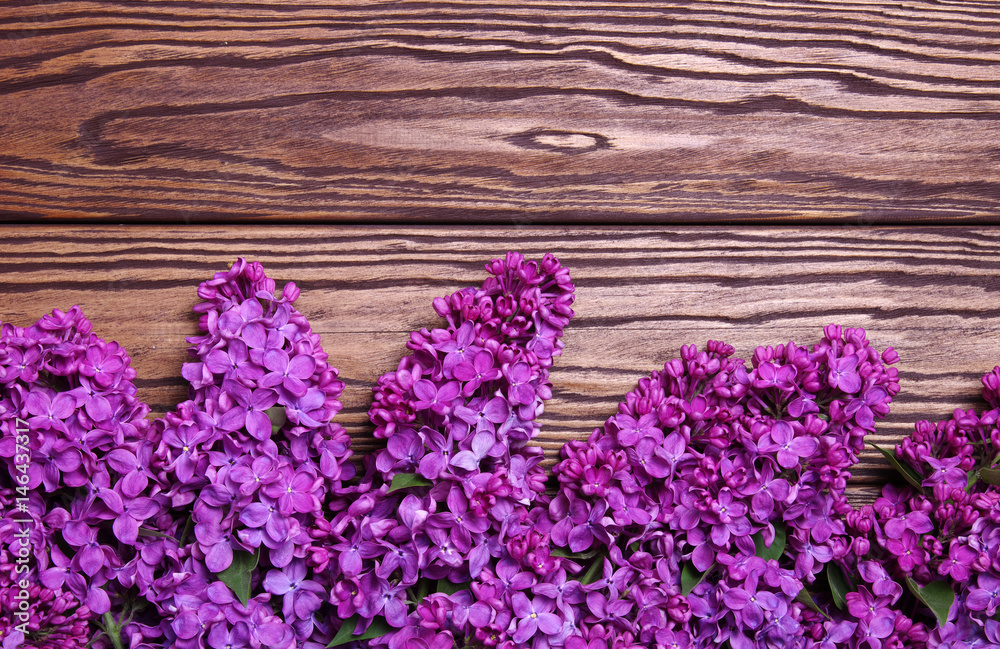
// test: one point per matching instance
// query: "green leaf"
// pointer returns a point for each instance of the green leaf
(806, 598)
(576, 556)
(838, 585)
(277, 417)
(424, 588)
(905, 470)
(990, 476)
(937, 596)
(378, 628)
(153, 533)
(448, 587)
(594, 572)
(237, 575)
(777, 547)
(973, 479)
(406, 480)
(690, 578)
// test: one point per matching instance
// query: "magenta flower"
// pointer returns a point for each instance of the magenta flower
(90, 557)
(234, 362)
(947, 471)
(461, 348)
(750, 602)
(959, 562)
(770, 375)
(520, 392)
(104, 364)
(134, 468)
(49, 412)
(861, 408)
(789, 448)
(480, 370)
(295, 491)
(486, 416)
(907, 549)
(290, 373)
(265, 516)
(588, 525)
(728, 517)
(533, 615)
(986, 595)
(244, 321)
(430, 397)
(300, 596)
(917, 521)
(843, 373)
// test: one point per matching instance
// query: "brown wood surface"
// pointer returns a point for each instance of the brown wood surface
(507, 112)
(641, 293)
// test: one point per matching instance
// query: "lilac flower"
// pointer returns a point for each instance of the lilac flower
(789, 448)
(986, 595)
(134, 468)
(480, 370)
(750, 602)
(861, 408)
(728, 517)
(486, 415)
(300, 596)
(291, 373)
(588, 525)
(724, 431)
(234, 362)
(295, 491)
(439, 457)
(959, 561)
(382, 597)
(482, 443)
(244, 320)
(534, 615)
(915, 521)
(90, 557)
(49, 412)
(843, 373)
(265, 515)
(430, 397)
(460, 349)
(520, 392)
(947, 471)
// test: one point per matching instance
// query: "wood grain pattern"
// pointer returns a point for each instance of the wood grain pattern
(544, 111)
(641, 293)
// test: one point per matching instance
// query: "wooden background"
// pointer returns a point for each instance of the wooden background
(378, 153)
(595, 111)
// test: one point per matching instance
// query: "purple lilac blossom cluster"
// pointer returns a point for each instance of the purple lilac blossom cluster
(71, 505)
(706, 506)
(939, 535)
(253, 470)
(715, 496)
(456, 476)
(710, 511)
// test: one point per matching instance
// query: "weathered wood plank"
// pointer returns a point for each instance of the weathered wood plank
(642, 293)
(548, 111)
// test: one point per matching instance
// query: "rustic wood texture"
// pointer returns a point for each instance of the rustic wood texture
(594, 111)
(641, 293)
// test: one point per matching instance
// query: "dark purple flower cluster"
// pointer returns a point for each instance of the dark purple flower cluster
(928, 553)
(456, 474)
(71, 507)
(710, 511)
(252, 470)
(711, 502)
